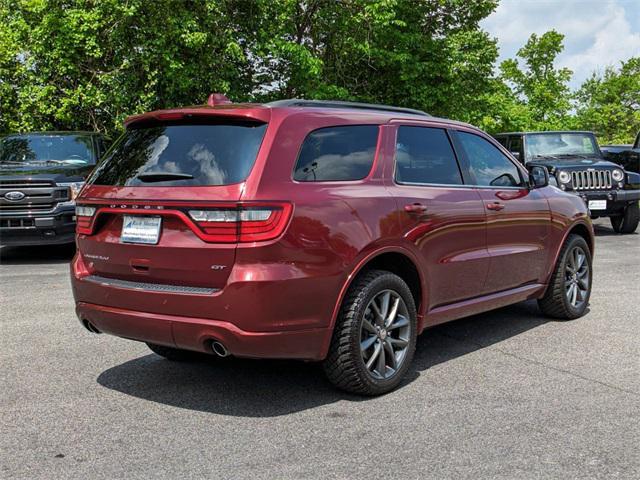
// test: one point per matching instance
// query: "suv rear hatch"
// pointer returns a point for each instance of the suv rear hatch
(164, 208)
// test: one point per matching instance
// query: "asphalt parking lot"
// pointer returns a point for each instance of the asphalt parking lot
(507, 394)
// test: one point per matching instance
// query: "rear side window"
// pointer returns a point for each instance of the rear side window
(425, 155)
(182, 155)
(337, 154)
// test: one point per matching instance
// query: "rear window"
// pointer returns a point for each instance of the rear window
(182, 155)
(337, 154)
(425, 156)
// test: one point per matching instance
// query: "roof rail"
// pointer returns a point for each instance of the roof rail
(295, 102)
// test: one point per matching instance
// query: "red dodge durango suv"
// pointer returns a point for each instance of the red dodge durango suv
(323, 231)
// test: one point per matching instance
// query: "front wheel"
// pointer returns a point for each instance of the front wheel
(567, 295)
(628, 221)
(375, 335)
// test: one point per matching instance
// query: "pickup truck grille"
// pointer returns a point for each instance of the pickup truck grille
(17, 223)
(591, 180)
(40, 197)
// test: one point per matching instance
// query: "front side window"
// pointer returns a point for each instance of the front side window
(424, 155)
(182, 155)
(337, 154)
(488, 165)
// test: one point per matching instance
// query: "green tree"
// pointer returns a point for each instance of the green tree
(73, 64)
(11, 69)
(609, 104)
(540, 89)
(88, 64)
(420, 53)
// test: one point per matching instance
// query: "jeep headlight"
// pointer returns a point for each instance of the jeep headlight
(564, 177)
(617, 175)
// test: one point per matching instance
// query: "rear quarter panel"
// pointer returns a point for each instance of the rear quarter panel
(333, 225)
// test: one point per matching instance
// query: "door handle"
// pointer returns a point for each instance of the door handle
(497, 206)
(415, 208)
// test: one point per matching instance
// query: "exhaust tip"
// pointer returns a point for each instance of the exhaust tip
(90, 326)
(219, 349)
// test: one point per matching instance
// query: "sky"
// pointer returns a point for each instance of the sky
(598, 33)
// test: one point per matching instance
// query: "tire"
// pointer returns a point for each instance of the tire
(173, 354)
(628, 221)
(558, 299)
(346, 364)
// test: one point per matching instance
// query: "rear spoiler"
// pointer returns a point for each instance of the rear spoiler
(233, 112)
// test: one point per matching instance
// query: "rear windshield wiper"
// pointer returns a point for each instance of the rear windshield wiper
(163, 176)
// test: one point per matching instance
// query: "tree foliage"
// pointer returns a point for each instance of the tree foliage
(86, 64)
(609, 104)
(539, 87)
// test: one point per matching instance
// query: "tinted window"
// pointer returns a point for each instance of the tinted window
(502, 141)
(487, 164)
(337, 153)
(54, 149)
(201, 154)
(425, 155)
(515, 144)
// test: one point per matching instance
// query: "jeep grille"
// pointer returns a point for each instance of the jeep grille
(591, 179)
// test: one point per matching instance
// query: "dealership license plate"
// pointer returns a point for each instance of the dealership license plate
(597, 204)
(139, 229)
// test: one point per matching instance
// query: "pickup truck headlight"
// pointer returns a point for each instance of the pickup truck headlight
(617, 175)
(564, 177)
(74, 188)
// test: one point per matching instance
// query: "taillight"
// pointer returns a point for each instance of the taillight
(84, 219)
(245, 223)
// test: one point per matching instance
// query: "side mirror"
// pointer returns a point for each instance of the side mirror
(538, 176)
(516, 155)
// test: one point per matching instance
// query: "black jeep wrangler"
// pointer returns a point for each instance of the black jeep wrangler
(577, 165)
(40, 175)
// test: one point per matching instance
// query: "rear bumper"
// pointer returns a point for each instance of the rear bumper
(197, 333)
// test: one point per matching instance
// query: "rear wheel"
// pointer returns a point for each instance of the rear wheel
(567, 296)
(173, 354)
(627, 222)
(375, 335)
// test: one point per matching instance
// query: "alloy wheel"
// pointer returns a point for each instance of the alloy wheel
(385, 334)
(577, 277)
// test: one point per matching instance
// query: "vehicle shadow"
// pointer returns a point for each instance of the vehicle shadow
(602, 228)
(269, 388)
(604, 231)
(37, 255)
